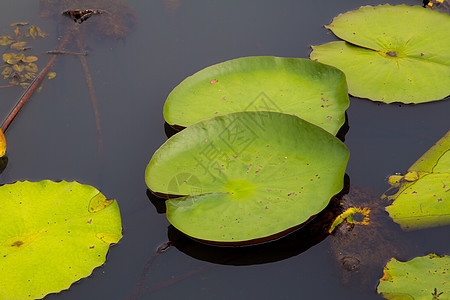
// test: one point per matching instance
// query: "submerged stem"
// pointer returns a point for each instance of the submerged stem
(93, 97)
(138, 291)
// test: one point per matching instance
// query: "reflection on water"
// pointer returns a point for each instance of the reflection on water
(3, 163)
(359, 250)
(115, 19)
(55, 137)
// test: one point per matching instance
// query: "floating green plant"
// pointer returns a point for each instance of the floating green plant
(53, 234)
(423, 277)
(248, 176)
(312, 91)
(423, 196)
(19, 68)
(386, 58)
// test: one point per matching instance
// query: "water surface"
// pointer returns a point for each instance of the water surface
(55, 137)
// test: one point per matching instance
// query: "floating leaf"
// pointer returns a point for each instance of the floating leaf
(247, 177)
(6, 71)
(12, 61)
(19, 24)
(5, 40)
(423, 198)
(30, 76)
(2, 144)
(18, 45)
(31, 67)
(387, 58)
(50, 238)
(425, 277)
(14, 82)
(40, 32)
(29, 59)
(51, 75)
(17, 31)
(10, 58)
(18, 68)
(312, 91)
(33, 32)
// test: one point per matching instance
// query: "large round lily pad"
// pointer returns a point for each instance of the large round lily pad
(388, 56)
(315, 92)
(423, 197)
(247, 176)
(425, 277)
(52, 234)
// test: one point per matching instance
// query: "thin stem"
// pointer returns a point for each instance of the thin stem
(137, 293)
(85, 53)
(94, 101)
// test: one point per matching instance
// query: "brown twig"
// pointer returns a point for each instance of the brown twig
(35, 83)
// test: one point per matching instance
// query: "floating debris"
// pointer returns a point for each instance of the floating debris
(115, 22)
(81, 15)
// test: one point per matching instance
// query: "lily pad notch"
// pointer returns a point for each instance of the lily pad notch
(270, 172)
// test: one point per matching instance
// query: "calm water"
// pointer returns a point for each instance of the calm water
(55, 137)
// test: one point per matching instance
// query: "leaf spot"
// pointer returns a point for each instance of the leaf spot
(17, 244)
(391, 53)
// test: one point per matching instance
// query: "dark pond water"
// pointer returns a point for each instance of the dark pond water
(55, 137)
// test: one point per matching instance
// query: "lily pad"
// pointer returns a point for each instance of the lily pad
(52, 234)
(423, 277)
(423, 197)
(248, 176)
(312, 91)
(389, 58)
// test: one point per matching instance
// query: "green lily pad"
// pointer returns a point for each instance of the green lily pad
(52, 234)
(247, 177)
(423, 197)
(388, 57)
(312, 91)
(425, 277)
